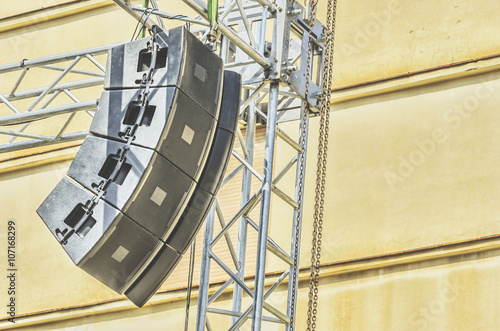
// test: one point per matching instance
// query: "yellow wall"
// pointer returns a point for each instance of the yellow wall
(411, 226)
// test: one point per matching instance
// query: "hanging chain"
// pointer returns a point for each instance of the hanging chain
(319, 200)
(300, 193)
(128, 135)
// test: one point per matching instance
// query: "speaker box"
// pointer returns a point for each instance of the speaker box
(173, 125)
(198, 206)
(211, 178)
(128, 209)
(106, 244)
(148, 188)
(182, 61)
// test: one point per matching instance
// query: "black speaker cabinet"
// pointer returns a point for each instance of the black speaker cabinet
(211, 178)
(198, 206)
(183, 61)
(129, 208)
(148, 188)
(173, 125)
(105, 243)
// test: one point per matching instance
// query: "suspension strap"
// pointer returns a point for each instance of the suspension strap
(128, 135)
(213, 19)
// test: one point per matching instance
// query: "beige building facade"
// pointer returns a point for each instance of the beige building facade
(411, 237)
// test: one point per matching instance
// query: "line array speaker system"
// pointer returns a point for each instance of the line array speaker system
(142, 183)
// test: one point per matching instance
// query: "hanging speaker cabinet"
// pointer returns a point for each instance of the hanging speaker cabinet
(143, 181)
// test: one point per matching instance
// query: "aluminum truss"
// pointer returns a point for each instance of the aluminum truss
(273, 74)
(36, 102)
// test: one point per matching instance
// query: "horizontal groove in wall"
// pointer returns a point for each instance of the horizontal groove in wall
(342, 267)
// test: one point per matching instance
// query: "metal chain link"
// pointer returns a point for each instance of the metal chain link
(129, 135)
(300, 192)
(319, 200)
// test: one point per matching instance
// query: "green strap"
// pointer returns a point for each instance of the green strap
(213, 11)
(145, 4)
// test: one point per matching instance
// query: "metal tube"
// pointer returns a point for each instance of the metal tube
(285, 170)
(49, 100)
(70, 117)
(226, 11)
(272, 245)
(83, 72)
(279, 252)
(220, 290)
(227, 236)
(65, 125)
(94, 61)
(246, 189)
(39, 143)
(265, 208)
(246, 314)
(205, 272)
(11, 106)
(230, 34)
(284, 93)
(268, 4)
(43, 113)
(245, 209)
(18, 81)
(286, 138)
(238, 64)
(231, 175)
(231, 274)
(198, 6)
(262, 36)
(71, 95)
(160, 21)
(247, 165)
(275, 312)
(54, 58)
(129, 10)
(69, 86)
(252, 97)
(246, 24)
(169, 16)
(297, 220)
(232, 313)
(54, 83)
(284, 197)
(25, 135)
(242, 141)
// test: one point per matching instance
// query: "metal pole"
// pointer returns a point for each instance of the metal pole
(38, 143)
(265, 208)
(231, 35)
(42, 113)
(205, 271)
(294, 272)
(168, 15)
(64, 86)
(129, 10)
(246, 190)
(54, 58)
(268, 4)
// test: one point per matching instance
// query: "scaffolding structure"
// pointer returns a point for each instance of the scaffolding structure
(274, 80)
